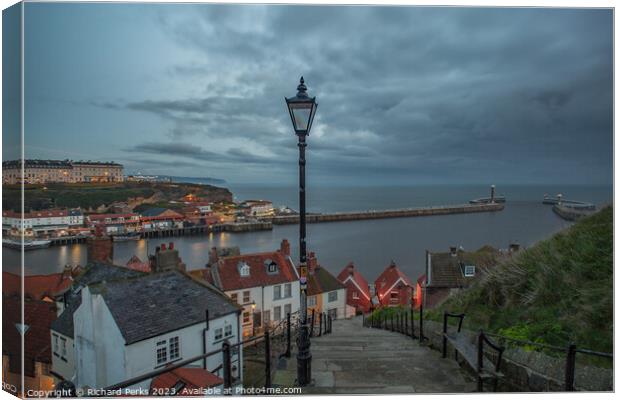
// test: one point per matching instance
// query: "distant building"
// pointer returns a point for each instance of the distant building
(266, 285)
(358, 290)
(39, 287)
(60, 171)
(160, 218)
(200, 215)
(115, 223)
(258, 208)
(450, 272)
(393, 287)
(45, 223)
(326, 294)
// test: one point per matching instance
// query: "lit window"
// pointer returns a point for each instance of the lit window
(174, 348)
(161, 351)
(246, 317)
(470, 270)
(332, 296)
(218, 334)
(355, 295)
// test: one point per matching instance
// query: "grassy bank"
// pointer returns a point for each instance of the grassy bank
(558, 291)
(94, 195)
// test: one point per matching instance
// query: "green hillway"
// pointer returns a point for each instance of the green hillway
(555, 292)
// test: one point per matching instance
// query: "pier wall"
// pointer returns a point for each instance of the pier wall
(379, 214)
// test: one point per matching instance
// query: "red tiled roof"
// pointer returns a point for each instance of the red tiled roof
(36, 286)
(193, 379)
(389, 277)
(38, 316)
(227, 276)
(422, 279)
(37, 214)
(350, 270)
(137, 265)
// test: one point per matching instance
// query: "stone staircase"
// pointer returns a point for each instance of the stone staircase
(357, 360)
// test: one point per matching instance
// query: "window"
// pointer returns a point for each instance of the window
(287, 290)
(355, 295)
(246, 317)
(244, 269)
(64, 347)
(218, 334)
(470, 270)
(267, 316)
(234, 297)
(272, 267)
(332, 296)
(174, 348)
(277, 313)
(246, 297)
(277, 292)
(394, 296)
(227, 330)
(56, 344)
(311, 301)
(287, 309)
(161, 351)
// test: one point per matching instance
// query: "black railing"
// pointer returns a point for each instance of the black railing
(394, 319)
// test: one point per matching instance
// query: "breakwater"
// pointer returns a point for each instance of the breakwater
(380, 214)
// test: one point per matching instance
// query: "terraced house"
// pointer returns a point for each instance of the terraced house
(326, 294)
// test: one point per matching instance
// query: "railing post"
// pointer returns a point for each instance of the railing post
(288, 335)
(312, 324)
(324, 317)
(444, 347)
(412, 327)
(421, 322)
(320, 324)
(406, 325)
(571, 353)
(267, 361)
(330, 319)
(392, 322)
(226, 365)
(402, 323)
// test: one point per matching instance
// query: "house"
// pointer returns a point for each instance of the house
(39, 287)
(42, 223)
(36, 356)
(326, 294)
(393, 287)
(258, 208)
(358, 290)
(265, 285)
(115, 223)
(450, 272)
(200, 215)
(137, 264)
(123, 328)
(161, 218)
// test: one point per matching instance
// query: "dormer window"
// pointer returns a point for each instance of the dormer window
(244, 269)
(469, 271)
(271, 266)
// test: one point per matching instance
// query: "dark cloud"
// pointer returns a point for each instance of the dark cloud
(418, 93)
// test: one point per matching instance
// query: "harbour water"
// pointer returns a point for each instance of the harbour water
(370, 244)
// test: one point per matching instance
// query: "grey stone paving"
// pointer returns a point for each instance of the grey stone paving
(357, 360)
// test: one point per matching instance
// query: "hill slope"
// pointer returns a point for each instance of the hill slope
(557, 291)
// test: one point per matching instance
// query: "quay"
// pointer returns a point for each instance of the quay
(380, 214)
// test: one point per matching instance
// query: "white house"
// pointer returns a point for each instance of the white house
(326, 294)
(55, 221)
(265, 284)
(128, 327)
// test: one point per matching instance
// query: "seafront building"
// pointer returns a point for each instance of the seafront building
(54, 222)
(60, 171)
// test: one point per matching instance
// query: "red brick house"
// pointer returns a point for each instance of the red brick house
(393, 287)
(358, 290)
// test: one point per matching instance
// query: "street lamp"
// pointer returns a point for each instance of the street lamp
(301, 109)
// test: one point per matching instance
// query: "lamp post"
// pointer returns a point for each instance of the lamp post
(301, 108)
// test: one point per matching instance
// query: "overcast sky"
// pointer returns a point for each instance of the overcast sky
(406, 94)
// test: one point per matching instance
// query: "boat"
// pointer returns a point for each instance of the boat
(127, 237)
(28, 244)
(488, 200)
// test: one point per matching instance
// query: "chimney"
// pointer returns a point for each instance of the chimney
(453, 251)
(99, 249)
(167, 259)
(514, 247)
(285, 248)
(311, 262)
(67, 272)
(163, 247)
(213, 257)
(351, 268)
(392, 264)
(171, 246)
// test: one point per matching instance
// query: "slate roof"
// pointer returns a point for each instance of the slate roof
(322, 281)
(93, 273)
(192, 379)
(153, 212)
(155, 304)
(389, 277)
(446, 271)
(350, 271)
(225, 273)
(38, 316)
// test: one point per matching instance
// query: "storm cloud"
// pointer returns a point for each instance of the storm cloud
(406, 94)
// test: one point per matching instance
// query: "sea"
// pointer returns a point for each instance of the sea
(371, 245)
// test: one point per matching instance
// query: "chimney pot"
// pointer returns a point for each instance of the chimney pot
(171, 246)
(163, 247)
